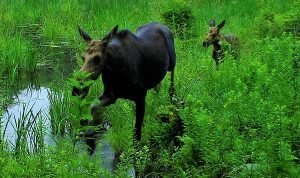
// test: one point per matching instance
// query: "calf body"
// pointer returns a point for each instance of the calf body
(222, 44)
(130, 65)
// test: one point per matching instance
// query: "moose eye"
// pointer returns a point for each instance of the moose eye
(96, 60)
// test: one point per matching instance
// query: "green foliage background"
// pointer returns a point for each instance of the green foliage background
(244, 115)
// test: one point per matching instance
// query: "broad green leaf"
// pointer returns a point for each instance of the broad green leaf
(87, 83)
(87, 116)
(74, 83)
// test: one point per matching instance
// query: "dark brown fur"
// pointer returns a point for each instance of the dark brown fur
(130, 65)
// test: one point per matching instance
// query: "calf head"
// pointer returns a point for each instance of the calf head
(94, 58)
(213, 35)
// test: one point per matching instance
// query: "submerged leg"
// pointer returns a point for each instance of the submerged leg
(90, 134)
(91, 143)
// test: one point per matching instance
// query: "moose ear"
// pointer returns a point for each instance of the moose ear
(114, 32)
(84, 35)
(108, 37)
(221, 25)
(212, 23)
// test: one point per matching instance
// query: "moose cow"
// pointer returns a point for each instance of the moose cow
(215, 38)
(130, 65)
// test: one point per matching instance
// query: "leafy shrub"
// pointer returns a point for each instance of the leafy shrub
(242, 118)
(62, 160)
(80, 108)
(274, 25)
(179, 17)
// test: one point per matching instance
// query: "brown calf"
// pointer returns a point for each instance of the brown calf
(222, 44)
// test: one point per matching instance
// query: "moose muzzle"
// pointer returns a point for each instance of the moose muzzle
(205, 43)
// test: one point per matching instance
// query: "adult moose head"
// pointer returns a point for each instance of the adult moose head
(215, 38)
(94, 58)
(130, 65)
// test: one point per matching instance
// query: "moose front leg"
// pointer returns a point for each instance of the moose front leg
(90, 139)
(106, 99)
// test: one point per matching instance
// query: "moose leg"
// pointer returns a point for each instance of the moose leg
(217, 63)
(172, 89)
(106, 99)
(139, 111)
(90, 137)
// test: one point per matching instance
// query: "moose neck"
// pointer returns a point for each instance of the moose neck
(217, 46)
(217, 52)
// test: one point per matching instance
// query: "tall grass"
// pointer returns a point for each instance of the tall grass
(246, 115)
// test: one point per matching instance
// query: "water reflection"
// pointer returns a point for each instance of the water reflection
(30, 109)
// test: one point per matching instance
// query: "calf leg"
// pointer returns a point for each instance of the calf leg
(217, 63)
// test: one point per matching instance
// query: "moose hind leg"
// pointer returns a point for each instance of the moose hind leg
(172, 88)
(140, 111)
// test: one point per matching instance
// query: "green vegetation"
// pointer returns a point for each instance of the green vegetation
(180, 18)
(240, 121)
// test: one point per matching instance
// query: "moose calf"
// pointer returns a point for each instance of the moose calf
(215, 38)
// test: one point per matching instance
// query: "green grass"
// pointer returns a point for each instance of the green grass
(247, 113)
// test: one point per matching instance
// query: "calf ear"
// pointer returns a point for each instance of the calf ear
(212, 23)
(84, 35)
(221, 25)
(114, 32)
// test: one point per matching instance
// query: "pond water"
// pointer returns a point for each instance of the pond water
(30, 110)
(27, 119)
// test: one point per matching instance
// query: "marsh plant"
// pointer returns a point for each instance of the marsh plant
(80, 110)
(239, 121)
(25, 134)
